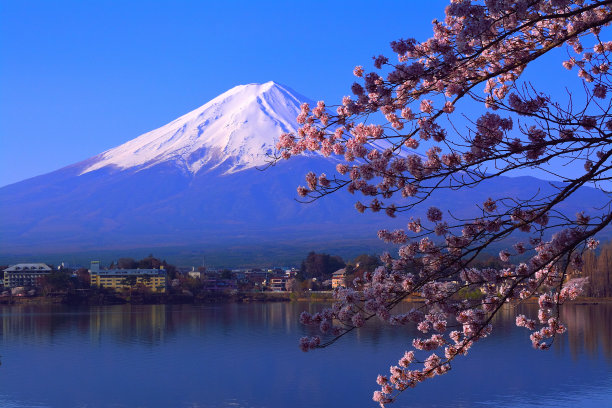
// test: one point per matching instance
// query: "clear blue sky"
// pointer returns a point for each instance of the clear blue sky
(80, 77)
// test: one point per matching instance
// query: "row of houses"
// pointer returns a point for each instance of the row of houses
(29, 275)
(274, 279)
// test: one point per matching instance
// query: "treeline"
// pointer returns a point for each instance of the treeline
(149, 262)
(598, 269)
(320, 267)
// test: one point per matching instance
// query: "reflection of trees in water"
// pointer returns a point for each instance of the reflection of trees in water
(33, 323)
(129, 324)
(590, 326)
(41, 324)
(589, 329)
(145, 324)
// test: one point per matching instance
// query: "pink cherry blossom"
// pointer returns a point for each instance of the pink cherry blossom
(474, 60)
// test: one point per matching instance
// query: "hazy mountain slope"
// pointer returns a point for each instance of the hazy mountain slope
(196, 181)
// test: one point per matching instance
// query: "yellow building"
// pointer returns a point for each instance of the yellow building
(154, 279)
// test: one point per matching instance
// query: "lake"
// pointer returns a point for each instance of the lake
(247, 356)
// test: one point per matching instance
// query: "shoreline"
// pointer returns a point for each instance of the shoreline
(170, 299)
(167, 299)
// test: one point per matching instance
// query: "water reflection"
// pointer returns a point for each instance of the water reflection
(246, 355)
(590, 326)
(590, 330)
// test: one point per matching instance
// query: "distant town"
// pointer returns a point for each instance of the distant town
(151, 280)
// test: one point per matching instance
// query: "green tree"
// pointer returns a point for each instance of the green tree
(320, 266)
(130, 282)
(56, 281)
(127, 263)
(366, 263)
(598, 270)
(83, 278)
(150, 262)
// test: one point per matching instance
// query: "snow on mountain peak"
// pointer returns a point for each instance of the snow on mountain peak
(232, 132)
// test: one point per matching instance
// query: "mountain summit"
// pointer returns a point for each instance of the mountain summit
(232, 132)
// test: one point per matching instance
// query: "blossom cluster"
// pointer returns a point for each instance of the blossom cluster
(452, 323)
(477, 53)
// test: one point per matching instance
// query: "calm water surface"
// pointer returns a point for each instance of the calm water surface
(246, 355)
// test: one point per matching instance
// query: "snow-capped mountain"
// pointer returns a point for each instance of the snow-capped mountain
(234, 131)
(196, 182)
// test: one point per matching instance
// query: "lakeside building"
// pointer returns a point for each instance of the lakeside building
(338, 278)
(25, 274)
(117, 279)
(278, 283)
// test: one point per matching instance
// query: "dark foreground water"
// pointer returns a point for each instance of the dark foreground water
(246, 355)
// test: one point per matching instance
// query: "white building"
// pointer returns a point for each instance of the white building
(25, 274)
(194, 274)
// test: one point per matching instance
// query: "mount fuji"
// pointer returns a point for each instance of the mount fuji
(197, 182)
